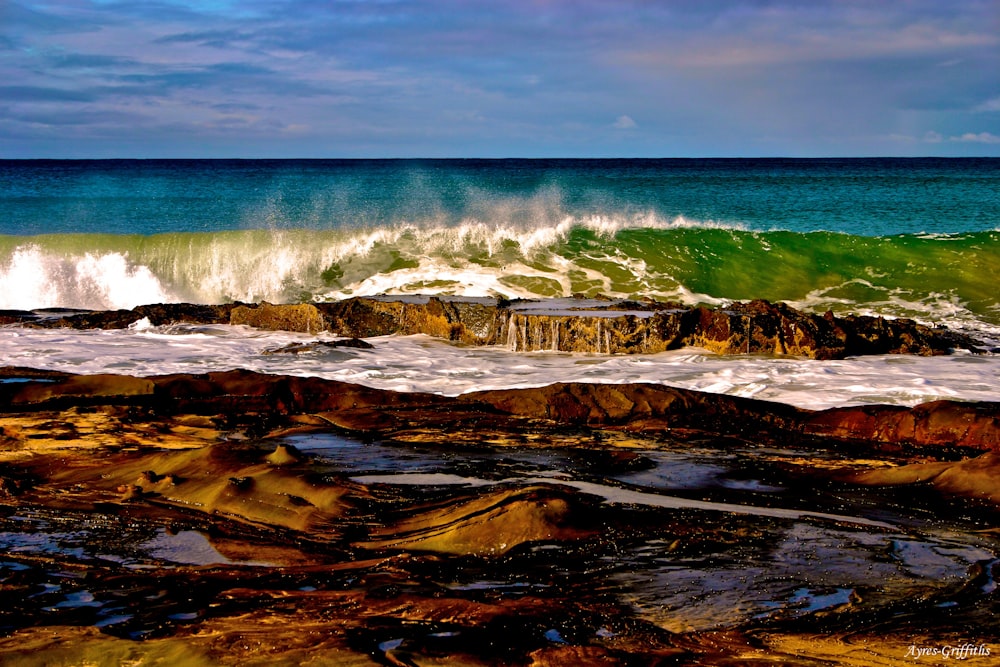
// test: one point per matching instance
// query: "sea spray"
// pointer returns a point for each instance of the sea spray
(887, 237)
(937, 279)
(33, 278)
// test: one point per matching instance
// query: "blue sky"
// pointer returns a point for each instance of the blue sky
(446, 78)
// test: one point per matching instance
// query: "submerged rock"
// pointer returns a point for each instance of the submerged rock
(319, 345)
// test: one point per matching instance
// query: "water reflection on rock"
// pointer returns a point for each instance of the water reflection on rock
(485, 544)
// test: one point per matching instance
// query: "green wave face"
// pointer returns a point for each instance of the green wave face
(899, 275)
(936, 278)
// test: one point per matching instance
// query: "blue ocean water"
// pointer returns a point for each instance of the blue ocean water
(911, 237)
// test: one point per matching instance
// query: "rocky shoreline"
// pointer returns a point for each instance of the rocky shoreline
(567, 325)
(240, 518)
(350, 525)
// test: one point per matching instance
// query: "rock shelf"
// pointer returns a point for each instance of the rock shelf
(239, 519)
(569, 325)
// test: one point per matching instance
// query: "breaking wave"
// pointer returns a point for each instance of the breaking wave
(938, 278)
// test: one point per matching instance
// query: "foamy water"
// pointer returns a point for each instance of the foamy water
(421, 363)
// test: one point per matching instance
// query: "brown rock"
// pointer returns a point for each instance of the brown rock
(158, 314)
(16, 316)
(935, 424)
(284, 455)
(615, 327)
(191, 313)
(82, 387)
(489, 524)
(581, 656)
(302, 317)
(261, 402)
(223, 479)
(363, 317)
(977, 477)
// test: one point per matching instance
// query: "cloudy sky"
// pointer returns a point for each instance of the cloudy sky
(439, 78)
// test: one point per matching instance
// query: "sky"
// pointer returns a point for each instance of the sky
(510, 78)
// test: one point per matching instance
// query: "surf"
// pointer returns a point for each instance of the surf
(939, 278)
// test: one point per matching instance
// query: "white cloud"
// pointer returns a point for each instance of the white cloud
(989, 105)
(981, 138)
(624, 122)
(932, 137)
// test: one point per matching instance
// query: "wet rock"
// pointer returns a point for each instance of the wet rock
(107, 319)
(16, 316)
(157, 314)
(10, 487)
(490, 524)
(320, 345)
(757, 327)
(567, 325)
(302, 317)
(258, 403)
(470, 322)
(977, 477)
(224, 479)
(284, 455)
(81, 388)
(147, 478)
(506, 569)
(935, 424)
(188, 313)
(615, 461)
(130, 493)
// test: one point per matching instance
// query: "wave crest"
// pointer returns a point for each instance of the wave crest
(934, 278)
(34, 278)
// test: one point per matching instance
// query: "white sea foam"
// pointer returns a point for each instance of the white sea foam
(420, 363)
(34, 278)
(281, 265)
(545, 254)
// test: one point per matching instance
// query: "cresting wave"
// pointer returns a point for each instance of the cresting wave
(937, 278)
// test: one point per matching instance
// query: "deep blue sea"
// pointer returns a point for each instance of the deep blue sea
(911, 237)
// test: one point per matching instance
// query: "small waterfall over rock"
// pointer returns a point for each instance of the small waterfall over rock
(564, 325)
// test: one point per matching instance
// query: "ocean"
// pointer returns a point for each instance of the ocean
(916, 238)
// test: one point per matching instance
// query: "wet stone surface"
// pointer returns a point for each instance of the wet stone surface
(622, 573)
(137, 535)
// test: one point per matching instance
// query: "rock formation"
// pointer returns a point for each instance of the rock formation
(633, 408)
(569, 325)
(173, 519)
(239, 518)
